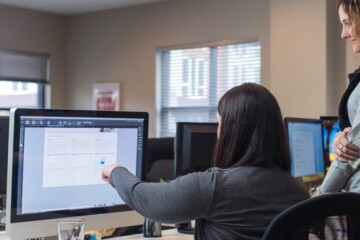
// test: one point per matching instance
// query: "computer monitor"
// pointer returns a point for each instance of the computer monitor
(4, 136)
(55, 163)
(194, 147)
(331, 127)
(305, 138)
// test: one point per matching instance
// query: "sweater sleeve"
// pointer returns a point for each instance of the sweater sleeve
(354, 138)
(186, 198)
(354, 134)
(339, 172)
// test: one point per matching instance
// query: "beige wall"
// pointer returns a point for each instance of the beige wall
(39, 32)
(299, 62)
(120, 45)
(306, 57)
(336, 60)
(302, 54)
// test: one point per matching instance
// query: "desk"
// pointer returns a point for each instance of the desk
(170, 234)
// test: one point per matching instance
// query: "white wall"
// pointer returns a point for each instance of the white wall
(33, 31)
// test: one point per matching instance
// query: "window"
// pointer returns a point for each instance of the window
(192, 80)
(23, 77)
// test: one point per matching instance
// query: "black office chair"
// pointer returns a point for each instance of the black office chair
(160, 159)
(331, 216)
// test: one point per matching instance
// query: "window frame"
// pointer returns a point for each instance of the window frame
(40, 95)
(212, 78)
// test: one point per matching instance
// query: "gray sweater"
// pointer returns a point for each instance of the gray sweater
(235, 203)
(346, 175)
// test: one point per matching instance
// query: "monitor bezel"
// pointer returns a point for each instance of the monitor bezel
(4, 122)
(13, 161)
(332, 118)
(178, 143)
(288, 120)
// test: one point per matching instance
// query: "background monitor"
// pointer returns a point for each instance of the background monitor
(4, 136)
(194, 147)
(331, 127)
(305, 138)
(55, 163)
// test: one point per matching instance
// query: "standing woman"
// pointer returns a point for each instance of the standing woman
(248, 186)
(344, 171)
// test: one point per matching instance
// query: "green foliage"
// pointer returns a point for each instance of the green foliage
(164, 180)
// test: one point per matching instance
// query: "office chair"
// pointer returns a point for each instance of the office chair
(330, 216)
(160, 159)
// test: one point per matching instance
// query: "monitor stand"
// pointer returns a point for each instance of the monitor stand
(185, 228)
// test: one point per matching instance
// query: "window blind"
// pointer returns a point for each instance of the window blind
(192, 80)
(23, 76)
(23, 66)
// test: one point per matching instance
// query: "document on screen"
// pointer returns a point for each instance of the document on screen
(76, 156)
(304, 153)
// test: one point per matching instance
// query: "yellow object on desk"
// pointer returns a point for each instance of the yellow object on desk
(102, 233)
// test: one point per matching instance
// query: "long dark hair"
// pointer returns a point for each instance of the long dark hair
(252, 130)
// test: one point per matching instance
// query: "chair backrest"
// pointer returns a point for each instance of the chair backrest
(160, 159)
(330, 216)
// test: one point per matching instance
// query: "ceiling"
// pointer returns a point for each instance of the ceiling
(69, 7)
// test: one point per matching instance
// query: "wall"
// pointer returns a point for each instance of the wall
(302, 54)
(306, 57)
(120, 45)
(33, 31)
(336, 61)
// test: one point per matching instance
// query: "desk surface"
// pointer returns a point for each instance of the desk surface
(166, 235)
(170, 234)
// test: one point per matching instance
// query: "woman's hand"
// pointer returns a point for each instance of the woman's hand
(343, 149)
(106, 172)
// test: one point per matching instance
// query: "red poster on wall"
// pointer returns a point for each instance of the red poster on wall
(106, 96)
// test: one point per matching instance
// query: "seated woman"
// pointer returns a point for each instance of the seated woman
(248, 186)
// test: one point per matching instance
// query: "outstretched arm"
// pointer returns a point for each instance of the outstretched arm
(183, 199)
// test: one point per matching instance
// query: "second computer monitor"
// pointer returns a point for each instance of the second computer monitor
(194, 147)
(306, 147)
(331, 127)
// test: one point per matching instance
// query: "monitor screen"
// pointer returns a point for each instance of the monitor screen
(194, 147)
(331, 127)
(56, 162)
(306, 147)
(4, 136)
